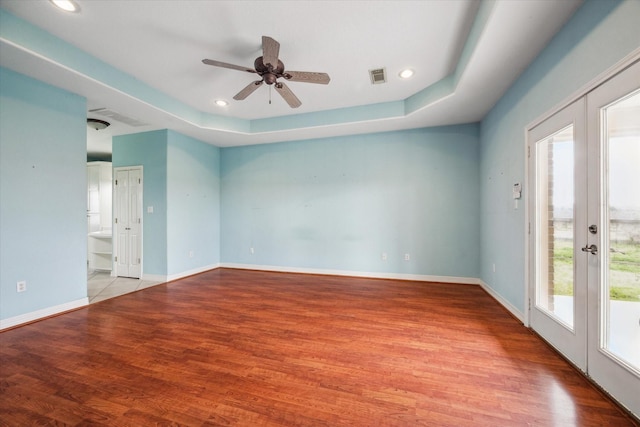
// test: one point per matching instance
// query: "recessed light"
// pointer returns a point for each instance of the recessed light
(66, 5)
(221, 103)
(405, 74)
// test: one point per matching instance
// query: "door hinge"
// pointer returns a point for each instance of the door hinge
(138, 220)
(116, 259)
(138, 260)
(116, 220)
(529, 229)
(529, 304)
(528, 151)
(116, 182)
(139, 181)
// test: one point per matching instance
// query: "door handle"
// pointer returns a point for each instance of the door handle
(591, 248)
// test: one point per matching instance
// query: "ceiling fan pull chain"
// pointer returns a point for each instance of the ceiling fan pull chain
(269, 94)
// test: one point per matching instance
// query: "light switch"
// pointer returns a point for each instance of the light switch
(517, 190)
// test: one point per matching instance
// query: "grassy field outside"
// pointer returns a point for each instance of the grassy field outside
(624, 270)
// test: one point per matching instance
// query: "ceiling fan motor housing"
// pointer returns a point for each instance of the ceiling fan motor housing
(268, 73)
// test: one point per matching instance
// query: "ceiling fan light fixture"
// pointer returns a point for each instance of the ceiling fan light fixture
(66, 5)
(221, 103)
(97, 124)
(406, 73)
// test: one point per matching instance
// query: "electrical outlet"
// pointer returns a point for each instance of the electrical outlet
(407, 257)
(494, 267)
(21, 286)
(251, 250)
(190, 254)
(384, 256)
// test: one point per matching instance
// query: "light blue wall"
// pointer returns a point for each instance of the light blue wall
(182, 183)
(193, 200)
(600, 34)
(43, 196)
(149, 150)
(338, 203)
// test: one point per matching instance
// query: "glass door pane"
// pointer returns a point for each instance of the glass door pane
(555, 225)
(620, 309)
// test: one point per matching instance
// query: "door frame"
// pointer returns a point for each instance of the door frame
(115, 210)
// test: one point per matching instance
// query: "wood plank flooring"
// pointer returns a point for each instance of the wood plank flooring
(247, 348)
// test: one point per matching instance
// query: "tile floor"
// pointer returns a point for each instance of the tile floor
(101, 286)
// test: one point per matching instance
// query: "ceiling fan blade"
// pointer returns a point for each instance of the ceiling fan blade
(288, 96)
(270, 51)
(225, 65)
(248, 90)
(307, 77)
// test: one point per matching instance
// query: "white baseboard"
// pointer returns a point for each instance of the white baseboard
(40, 314)
(187, 273)
(51, 311)
(506, 304)
(397, 276)
(154, 277)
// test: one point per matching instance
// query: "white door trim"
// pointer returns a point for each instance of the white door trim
(588, 87)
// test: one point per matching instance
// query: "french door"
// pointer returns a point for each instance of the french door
(128, 222)
(584, 210)
(557, 155)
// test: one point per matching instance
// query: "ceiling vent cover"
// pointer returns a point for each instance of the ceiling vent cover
(378, 76)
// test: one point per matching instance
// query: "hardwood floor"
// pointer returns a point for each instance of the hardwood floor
(247, 348)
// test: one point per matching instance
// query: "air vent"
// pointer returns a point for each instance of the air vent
(119, 117)
(378, 76)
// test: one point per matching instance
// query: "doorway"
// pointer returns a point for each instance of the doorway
(584, 237)
(127, 220)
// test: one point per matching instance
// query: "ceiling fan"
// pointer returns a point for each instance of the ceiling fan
(270, 68)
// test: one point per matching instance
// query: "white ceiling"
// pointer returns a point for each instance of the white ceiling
(465, 54)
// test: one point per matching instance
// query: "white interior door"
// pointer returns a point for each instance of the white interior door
(584, 206)
(93, 198)
(613, 112)
(558, 198)
(128, 222)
